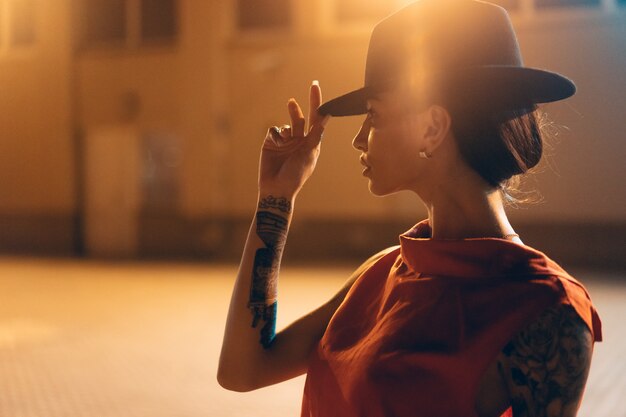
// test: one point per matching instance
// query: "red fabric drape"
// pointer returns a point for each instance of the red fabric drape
(419, 327)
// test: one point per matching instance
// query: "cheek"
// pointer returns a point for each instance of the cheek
(394, 157)
(394, 151)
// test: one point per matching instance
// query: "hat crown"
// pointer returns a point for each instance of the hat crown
(465, 50)
(440, 36)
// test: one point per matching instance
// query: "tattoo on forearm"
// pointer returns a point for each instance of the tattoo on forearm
(279, 203)
(272, 229)
(548, 364)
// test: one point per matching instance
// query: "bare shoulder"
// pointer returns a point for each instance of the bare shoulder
(546, 365)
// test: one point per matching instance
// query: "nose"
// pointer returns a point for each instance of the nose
(360, 140)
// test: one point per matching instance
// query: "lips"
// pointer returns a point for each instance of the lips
(364, 161)
(365, 164)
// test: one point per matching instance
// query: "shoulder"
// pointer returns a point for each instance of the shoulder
(545, 366)
(347, 286)
(373, 260)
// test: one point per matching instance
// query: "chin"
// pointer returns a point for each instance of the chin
(379, 190)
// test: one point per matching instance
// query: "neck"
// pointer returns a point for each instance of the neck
(467, 214)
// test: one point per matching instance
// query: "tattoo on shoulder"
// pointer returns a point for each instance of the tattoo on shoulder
(546, 364)
(279, 203)
(272, 230)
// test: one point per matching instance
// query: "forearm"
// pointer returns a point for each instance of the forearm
(288, 158)
(251, 322)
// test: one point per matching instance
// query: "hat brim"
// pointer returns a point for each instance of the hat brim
(508, 86)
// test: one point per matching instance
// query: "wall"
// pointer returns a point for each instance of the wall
(36, 154)
(217, 91)
(588, 166)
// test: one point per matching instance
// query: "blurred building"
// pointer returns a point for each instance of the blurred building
(133, 127)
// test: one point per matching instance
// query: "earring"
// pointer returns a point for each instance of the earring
(425, 155)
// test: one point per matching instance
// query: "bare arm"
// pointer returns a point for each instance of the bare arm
(244, 365)
(547, 364)
(247, 367)
(252, 354)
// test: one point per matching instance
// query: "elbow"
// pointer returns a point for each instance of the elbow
(233, 385)
(234, 381)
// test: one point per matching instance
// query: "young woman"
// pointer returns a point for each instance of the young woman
(461, 319)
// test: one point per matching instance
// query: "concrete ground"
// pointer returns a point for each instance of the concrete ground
(96, 339)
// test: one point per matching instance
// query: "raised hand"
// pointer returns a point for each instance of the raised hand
(290, 153)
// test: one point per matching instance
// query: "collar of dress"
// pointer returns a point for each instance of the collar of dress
(471, 257)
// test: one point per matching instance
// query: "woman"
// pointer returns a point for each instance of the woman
(461, 319)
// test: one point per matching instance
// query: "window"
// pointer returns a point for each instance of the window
(263, 14)
(362, 10)
(17, 23)
(126, 22)
(542, 4)
(158, 19)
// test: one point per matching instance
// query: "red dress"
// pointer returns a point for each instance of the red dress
(419, 327)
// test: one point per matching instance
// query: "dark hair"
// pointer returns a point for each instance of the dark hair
(498, 145)
(501, 135)
(498, 141)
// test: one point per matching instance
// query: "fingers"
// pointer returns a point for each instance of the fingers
(272, 137)
(317, 121)
(297, 118)
(284, 131)
(315, 100)
(317, 130)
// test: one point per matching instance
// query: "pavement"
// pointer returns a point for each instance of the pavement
(141, 339)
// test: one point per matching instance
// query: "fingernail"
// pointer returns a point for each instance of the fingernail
(315, 82)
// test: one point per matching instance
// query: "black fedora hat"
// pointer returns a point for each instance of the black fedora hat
(468, 47)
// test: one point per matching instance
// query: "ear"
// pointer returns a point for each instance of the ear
(437, 123)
